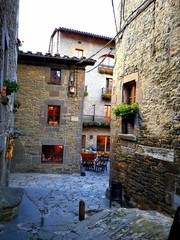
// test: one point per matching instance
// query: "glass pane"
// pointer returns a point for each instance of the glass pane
(55, 76)
(52, 154)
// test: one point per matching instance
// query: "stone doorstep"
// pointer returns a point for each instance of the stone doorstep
(10, 198)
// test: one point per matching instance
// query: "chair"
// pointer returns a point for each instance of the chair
(101, 165)
(89, 165)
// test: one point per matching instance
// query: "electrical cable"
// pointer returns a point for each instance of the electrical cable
(128, 21)
(114, 16)
(100, 61)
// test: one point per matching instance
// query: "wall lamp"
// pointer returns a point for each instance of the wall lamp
(72, 87)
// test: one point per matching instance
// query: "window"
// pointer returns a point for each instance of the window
(109, 83)
(55, 77)
(128, 126)
(129, 92)
(83, 141)
(129, 97)
(103, 143)
(53, 115)
(52, 154)
(107, 61)
(78, 53)
(108, 113)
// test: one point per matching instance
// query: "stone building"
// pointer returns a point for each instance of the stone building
(8, 67)
(98, 81)
(145, 150)
(50, 118)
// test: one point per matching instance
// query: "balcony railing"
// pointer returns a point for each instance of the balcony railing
(91, 120)
(106, 93)
(106, 69)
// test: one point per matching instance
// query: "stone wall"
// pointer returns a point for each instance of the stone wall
(148, 162)
(8, 68)
(36, 94)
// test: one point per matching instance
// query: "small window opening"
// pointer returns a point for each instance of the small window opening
(52, 154)
(55, 77)
(53, 115)
(128, 126)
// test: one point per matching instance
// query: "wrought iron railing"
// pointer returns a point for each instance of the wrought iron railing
(106, 93)
(91, 120)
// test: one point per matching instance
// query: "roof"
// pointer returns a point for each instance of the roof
(87, 34)
(42, 59)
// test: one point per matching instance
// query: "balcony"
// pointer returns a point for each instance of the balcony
(96, 121)
(105, 69)
(106, 94)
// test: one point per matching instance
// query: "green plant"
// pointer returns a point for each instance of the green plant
(17, 103)
(106, 95)
(105, 71)
(11, 86)
(85, 93)
(125, 110)
(96, 124)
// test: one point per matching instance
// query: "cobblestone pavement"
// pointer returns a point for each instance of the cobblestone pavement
(50, 207)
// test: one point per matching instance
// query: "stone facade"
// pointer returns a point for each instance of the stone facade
(147, 162)
(65, 42)
(37, 93)
(8, 68)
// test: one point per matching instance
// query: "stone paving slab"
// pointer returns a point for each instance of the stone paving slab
(122, 224)
(50, 206)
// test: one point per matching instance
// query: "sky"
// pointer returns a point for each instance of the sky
(39, 18)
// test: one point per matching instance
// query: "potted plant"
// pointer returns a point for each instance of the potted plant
(11, 87)
(106, 96)
(17, 103)
(85, 93)
(125, 110)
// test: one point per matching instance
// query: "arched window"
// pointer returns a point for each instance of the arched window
(106, 64)
(107, 61)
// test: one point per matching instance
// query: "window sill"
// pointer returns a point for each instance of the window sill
(128, 137)
(53, 123)
(54, 83)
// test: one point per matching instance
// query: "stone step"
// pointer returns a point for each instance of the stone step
(123, 224)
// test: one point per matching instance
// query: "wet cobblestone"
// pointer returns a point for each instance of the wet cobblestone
(50, 206)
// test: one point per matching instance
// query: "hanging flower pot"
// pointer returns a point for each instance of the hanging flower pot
(17, 104)
(11, 87)
(125, 110)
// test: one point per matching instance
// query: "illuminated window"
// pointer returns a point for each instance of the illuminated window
(52, 154)
(83, 141)
(53, 115)
(78, 53)
(103, 143)
(108, 113)
(55, 77)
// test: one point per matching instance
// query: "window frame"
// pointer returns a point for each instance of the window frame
(55, 156)
(129, 92)
(106, 61)
(54, 117)
(79, 53)
(105, 142)
(54, 78)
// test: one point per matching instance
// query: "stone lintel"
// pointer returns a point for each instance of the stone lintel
(163, 154)
(128, 137)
